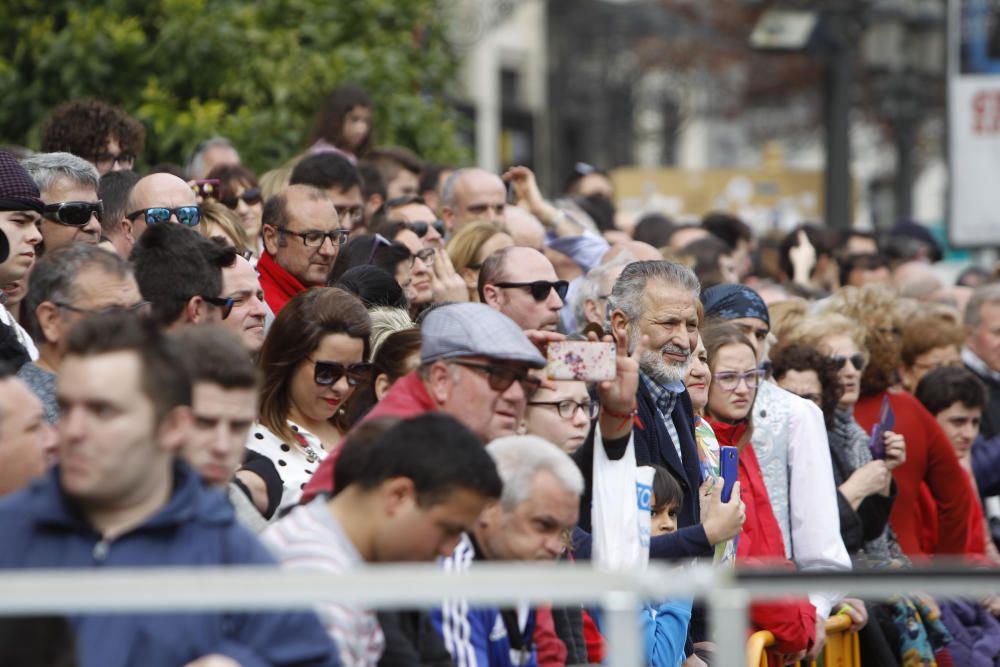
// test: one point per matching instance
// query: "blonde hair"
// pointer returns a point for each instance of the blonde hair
(785, 315)
(276, 180)
(464, 246)
(812, 331)
(218, 214)
(870, 305)
(385, 322)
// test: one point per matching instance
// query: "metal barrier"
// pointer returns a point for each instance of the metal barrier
(725, 593)
(842, 648)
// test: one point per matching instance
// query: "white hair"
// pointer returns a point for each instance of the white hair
(386, 321)
(519, 460)
(596, 283)
(46, 168)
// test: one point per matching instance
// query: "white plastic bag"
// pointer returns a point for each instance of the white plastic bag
(620, 510)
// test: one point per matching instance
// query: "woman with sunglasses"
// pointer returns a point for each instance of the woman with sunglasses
(239, 192)
(313, 358)
(732, 389)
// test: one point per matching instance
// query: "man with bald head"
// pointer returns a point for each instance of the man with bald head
(302, 236)
(526, 230)
(522, 284)
(159, 198)
(472, 194)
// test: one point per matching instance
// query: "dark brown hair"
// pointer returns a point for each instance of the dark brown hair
(296, 333)
(214, 354)
(330, 121)
(794, 357)
(83, 128)
(230, 176)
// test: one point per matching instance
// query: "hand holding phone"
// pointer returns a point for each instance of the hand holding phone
(886, 422)
(729, 469)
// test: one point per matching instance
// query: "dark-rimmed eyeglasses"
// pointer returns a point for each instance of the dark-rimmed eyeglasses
(857, 360)
(250, 197)
(425, 254)
(225, 304)
(567, 408)
(730, 380)
(501, 378)
(540, 288)
(105, 161)
(328, 373)
(107, 310)
(189, 216)
(74, 213)
(314, 238)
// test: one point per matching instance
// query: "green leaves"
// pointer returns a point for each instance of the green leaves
(255, 72)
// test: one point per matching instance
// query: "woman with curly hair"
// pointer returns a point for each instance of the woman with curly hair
(100, 133)
(930, 458)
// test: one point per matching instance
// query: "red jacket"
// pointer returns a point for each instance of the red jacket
(930, 459)
(279, 286)
(792, 621)
(406, 398)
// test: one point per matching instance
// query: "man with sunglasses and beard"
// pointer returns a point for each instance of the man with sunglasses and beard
(475, 365)
(522, 284)
(68, 186)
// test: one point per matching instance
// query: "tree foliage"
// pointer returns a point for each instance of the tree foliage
(256, 72)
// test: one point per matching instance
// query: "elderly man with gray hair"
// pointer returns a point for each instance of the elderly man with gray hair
(68, 186)
(539, 505)
(68, 284)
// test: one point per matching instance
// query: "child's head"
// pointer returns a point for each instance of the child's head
(665, 503)
(956, 398)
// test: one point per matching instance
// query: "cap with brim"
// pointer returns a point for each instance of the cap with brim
(475, 330)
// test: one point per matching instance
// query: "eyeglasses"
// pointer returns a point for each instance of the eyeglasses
(107, 310)
(730, 380)
(189, 216)
(328, 373)
(425, 254)
(249, 197)
(74, 213)
(377, 240)
(540, 288)
(567, 408)
(105, 161)
(314, 238)
(225, 304)
(501, 378)
(352, 214)
(857, 360)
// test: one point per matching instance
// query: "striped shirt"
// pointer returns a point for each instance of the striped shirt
(310, 538)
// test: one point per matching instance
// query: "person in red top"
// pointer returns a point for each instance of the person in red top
(302, 235)
(929, 456)
(956, 398)
(735, 377)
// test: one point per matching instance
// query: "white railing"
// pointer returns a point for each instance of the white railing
(410, 586)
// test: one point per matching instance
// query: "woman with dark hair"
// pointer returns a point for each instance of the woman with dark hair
(374, 286)
(345, 123)
(735, 378)
(313, 359)
(240, 192)
(398, 355)
(375, 250)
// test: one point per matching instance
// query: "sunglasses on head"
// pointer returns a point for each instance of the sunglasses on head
(857, 360)
(188, 216)
(328, 373)
(540, 288)
(249, 197)
(74, 213)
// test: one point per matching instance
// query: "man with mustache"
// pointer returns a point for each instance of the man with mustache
(522, 284)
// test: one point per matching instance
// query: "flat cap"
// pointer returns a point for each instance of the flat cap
(475, 330)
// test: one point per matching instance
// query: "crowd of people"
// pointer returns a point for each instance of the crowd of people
(342, 361)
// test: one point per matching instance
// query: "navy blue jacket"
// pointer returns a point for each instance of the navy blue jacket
(653, 445)
(42, 528)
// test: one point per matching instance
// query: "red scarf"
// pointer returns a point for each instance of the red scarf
(279, 286)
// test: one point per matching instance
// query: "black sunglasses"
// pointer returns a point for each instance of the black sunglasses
(189, 216)
(540, 288)
(501, 378)
(74, 213)
(857, 360)
(421, 228)
(225, 304)
(249, 197)
(328, 373)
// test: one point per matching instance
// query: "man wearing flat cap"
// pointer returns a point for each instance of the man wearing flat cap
(20, 212)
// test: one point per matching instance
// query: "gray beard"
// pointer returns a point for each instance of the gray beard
(660, 371)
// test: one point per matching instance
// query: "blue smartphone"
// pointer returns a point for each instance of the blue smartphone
(886, 422)
(729, 468)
